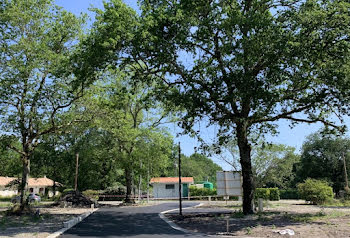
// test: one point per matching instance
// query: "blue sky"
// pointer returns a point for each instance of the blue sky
(292, 137)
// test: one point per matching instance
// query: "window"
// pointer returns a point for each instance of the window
(169, 186)
(41, 190)
(31, 190)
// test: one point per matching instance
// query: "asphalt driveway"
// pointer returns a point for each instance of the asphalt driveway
(128, 222)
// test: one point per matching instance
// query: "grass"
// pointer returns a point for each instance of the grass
(5, 204)
(337, 203)
(308, 217)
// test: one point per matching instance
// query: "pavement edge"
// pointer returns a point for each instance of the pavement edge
(72, 222)
(176, 227)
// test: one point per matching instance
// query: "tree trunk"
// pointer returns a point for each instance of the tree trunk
(246, 164)
(148, 183)
(25, 176)
(128, 177)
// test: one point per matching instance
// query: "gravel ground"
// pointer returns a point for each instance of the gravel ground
(50, 220)
(305, 220)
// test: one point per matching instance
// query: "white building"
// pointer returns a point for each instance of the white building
(168, 187)
(35, 185)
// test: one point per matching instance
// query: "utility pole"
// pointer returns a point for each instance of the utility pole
(345, 174)
(180, 197)
(76, 171)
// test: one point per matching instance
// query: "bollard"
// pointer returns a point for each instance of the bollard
(209, 199)
(92, 206)
(260, 201)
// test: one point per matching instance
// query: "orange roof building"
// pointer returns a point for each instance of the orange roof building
(35, 185)
(168, 187)
(172, 180)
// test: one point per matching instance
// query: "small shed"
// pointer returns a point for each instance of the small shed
(168, 187)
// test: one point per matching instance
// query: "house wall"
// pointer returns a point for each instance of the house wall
(6, 192)
(160, 191)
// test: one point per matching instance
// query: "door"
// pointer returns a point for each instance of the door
(185, 190)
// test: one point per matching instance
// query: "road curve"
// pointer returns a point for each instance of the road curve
(128, 222)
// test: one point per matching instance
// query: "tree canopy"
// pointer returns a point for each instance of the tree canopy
(37, 40)
(323, 158)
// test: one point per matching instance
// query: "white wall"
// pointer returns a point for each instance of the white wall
(8, 193)
(159, 190)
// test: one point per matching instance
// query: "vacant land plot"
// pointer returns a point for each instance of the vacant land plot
(305, 220)
(49, 221)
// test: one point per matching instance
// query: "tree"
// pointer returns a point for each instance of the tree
(37, 40)
(243, 65)
(322, 158)
(200, 167)
(127, 111)
(274, 165)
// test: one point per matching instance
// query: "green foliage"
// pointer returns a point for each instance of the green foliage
(274, 194)
(322, 158)
(315, 191)
(67, 190)
(92, 194)
(274, 165)
(271, 194)
(263, 193)
(197, 166)
(37, 85)
(5, 198)
(289, 193)
(194, 191)
(247, 65)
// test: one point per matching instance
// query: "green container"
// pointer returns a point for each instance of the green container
(208, 185)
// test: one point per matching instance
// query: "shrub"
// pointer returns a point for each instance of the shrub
(92, 194)
(263, 193)
(67, 190)
(5, 198)
(274, 194)
(315, 191)
(194, 191)
(289, 193)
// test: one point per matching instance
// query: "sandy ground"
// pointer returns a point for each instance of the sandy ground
(305, 220)
(50, 220)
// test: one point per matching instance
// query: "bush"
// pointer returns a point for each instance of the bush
(92, 194)
(271, 194)
(274, 194)
(289, 194)
(5, 198)
(263, 193)
(315, 191)
(194, 191)
(67, 190)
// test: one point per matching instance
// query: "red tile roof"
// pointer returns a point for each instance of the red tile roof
(172, 180)
(32, 182)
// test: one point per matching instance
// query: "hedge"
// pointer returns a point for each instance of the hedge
(271, 194)
(289, 193)
(274, 194)
(194, 191)
(263, 193)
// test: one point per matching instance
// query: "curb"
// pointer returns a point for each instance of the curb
(72, 222)
(176, 227)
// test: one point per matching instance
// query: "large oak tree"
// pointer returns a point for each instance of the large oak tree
(37, 40)
(241, 65)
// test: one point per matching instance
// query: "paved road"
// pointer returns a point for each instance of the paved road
(128, 222)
